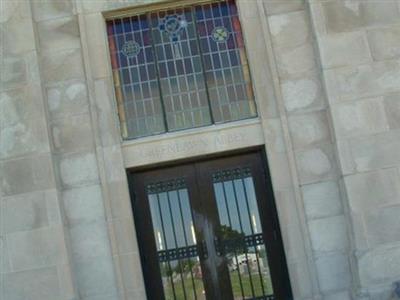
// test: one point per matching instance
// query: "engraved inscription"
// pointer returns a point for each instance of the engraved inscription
(175, 148)
(178, 146)
(227, 139)
(192, 146)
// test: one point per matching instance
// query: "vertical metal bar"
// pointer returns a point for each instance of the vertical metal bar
(187, 82)
(252, 232)
(168, 92)
(176, 242)
(148, 65)
(230, 225)
(157, 72)
(134, 103)
(202, 65)
(197, 89)
(186, 243)
(178, 94)
(241, 229)
(138, 101)
(166, 244)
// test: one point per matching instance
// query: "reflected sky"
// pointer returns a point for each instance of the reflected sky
(237, 205)
(171, 213)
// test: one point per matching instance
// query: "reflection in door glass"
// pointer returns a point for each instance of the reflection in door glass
(175, 240)
(240, 237)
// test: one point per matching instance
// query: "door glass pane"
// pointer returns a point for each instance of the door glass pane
(135, 79)
(240, 234)
(175, 240)
(225, 62)
(181, 74)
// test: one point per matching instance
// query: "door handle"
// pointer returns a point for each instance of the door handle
(203, 251)
(218, 246)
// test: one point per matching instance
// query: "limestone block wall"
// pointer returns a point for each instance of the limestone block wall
(55, 242)
(35, 261)
(279, 150)
(312, 142)
(73, 138)
(359, 45)
(327, 73)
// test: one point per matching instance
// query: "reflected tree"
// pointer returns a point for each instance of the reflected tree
(231, 240)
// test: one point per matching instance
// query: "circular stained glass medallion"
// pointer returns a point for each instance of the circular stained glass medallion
(130, 48)
(173, 25)
(220, 34)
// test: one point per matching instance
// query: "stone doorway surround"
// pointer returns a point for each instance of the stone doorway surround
(289, 95)
(87, 158)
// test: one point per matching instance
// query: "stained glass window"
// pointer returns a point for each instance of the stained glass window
(180, 68)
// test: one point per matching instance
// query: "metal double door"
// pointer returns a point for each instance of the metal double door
(209, 230)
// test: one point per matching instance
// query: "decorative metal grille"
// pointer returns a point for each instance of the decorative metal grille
(177, 253)
(165, 186)
(240, 237)
(239, 243)
(269, 297)
(177, 249)
(231, 174)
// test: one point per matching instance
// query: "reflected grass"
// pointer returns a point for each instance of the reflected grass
(235, 282)
(237, 293)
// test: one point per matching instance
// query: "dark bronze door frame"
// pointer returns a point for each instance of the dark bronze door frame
(209, 230)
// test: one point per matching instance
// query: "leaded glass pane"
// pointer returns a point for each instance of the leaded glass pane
(181, 75)
(175, 239)
(225, 63)
(180, 68)
(243, 244)
(135, 78)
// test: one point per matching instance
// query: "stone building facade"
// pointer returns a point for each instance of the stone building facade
(326, 77)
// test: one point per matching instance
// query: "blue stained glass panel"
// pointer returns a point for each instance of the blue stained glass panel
(140, 108)
(175, 35)
(220, 36)
(180, 68)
